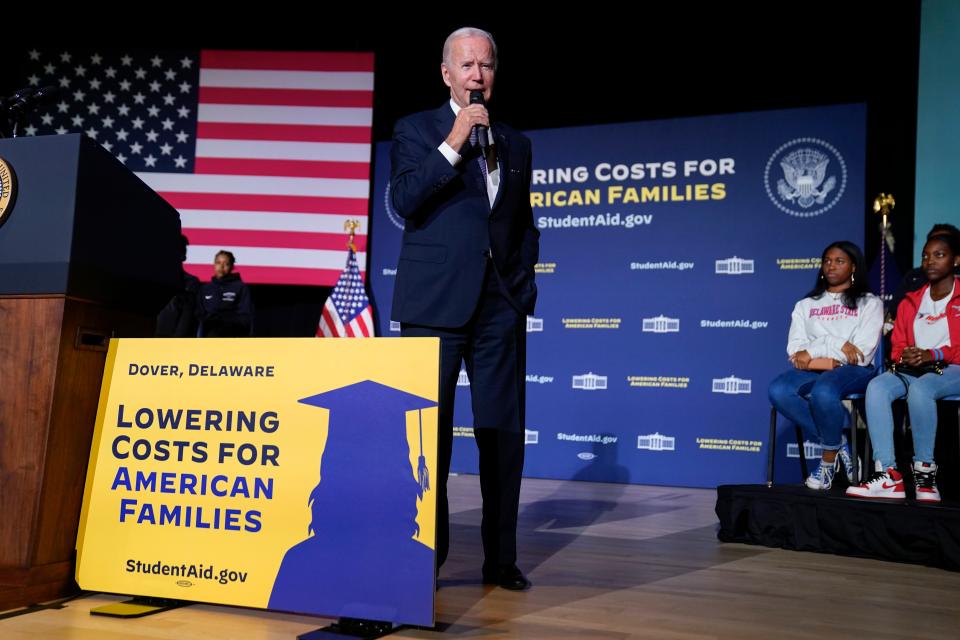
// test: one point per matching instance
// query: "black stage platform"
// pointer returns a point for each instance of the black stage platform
(794, 517)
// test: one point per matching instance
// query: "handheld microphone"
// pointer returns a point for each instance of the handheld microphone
(483, 139)
(18, 98)
(28, 99)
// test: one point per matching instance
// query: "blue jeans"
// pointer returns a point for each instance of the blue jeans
(812, 399)
(922, 404)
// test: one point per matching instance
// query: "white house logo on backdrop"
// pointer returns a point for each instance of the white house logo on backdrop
(586, 455)
(463, 380)
(534, 325)
(657, 442)
(734, 266)
(589, 382)
(394, 326)
(731, 384)
(811, 178)
(811, 450)
(391, 214)
(531, 436)
(661, 324)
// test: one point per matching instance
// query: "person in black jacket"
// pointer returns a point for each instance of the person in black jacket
(179, 318)
(224, 303)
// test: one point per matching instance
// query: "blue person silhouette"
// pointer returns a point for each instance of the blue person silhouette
(361, 560)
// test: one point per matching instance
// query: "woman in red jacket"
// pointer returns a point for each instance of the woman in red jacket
(927, 329)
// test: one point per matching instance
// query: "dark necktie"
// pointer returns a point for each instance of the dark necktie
(480, 158)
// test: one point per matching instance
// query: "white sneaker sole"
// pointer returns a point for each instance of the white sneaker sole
(869, 496)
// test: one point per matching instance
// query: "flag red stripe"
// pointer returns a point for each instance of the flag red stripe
(273, 275)
(287, 97)
(272, 239)
(282, 132)
(323, 327)
(293, 168)
(287, 60)
(242, 202)
(364, 327)
(328, 321)
(368, 323)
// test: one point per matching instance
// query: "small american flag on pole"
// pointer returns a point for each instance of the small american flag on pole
(347, 312)
(265, 154)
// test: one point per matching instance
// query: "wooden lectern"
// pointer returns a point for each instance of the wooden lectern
(87, 252)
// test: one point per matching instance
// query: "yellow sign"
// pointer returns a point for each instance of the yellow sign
(278, 473)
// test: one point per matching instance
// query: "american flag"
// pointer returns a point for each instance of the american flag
(347, 312)
(265, 154)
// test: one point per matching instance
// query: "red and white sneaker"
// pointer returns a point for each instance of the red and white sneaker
(925, 476)
(882, 484)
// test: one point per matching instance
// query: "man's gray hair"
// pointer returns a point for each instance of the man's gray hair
(468, 32)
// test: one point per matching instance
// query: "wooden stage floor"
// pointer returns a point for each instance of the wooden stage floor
(607, 561)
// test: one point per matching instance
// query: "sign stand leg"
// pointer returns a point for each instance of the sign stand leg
(351, 628)
(137, 607)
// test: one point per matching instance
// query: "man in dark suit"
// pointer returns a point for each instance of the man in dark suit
(466, 275)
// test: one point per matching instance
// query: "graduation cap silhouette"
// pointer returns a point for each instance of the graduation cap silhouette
(367, 451)
(362, 560)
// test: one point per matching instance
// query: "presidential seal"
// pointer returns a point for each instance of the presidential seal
(8, 190)
(811, 179)
(392, 215)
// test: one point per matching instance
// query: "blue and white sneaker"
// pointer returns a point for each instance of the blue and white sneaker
(846, 458)
(822, 477)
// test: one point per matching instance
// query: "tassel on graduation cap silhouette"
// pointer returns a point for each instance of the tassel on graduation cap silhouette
(423, 474)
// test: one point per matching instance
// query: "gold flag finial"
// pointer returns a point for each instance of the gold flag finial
(884, 204)
(351, 226)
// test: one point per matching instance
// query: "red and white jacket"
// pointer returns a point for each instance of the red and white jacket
(902, 335)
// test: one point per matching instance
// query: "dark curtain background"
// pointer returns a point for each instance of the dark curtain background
(576, 65)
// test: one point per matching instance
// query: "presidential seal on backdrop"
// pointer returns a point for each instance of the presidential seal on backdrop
(392, 215)
(805, 177)
(8, 190)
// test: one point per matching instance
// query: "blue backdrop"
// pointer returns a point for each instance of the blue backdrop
(672, 253)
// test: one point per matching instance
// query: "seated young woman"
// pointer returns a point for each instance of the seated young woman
(927, 330)
(834, 333)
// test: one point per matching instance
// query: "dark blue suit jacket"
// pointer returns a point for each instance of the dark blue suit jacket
(450, 225)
